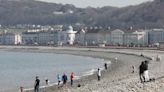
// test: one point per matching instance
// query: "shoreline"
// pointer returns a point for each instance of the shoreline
(39, 50)
(114, 79)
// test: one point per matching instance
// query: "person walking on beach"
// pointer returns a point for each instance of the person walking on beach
(146, 72)
(105, 66)
(141, 72)
(72, 78)
(98, 74)
(59, 79)
(64, 79)
(36, 85)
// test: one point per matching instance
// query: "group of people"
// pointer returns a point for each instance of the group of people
(143, 71)
(64, 78)
(60, 79)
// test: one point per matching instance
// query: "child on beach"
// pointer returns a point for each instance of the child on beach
(47, 81)
(72, 78)
(58, 78)
(98, 74)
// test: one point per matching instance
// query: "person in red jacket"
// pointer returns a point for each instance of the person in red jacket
(72, 78)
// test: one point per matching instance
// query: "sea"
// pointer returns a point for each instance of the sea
(19, 69)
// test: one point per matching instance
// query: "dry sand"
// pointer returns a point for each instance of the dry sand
(118, 77)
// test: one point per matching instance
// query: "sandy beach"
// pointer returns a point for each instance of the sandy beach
(118, 77)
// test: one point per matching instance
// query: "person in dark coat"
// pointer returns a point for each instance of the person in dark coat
(105, 66)
(36, 85)
(141, 72)
(64, 79)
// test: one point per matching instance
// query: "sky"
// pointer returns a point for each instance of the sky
(98, 3)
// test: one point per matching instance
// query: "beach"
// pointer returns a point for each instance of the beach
(118, 77)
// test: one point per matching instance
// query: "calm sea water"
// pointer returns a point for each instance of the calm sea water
(20, 68)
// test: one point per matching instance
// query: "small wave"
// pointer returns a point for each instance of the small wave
(90, 72)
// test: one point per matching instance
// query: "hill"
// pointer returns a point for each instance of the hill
(149, 14)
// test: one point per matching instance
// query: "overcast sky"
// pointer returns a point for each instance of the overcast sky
(98, 3)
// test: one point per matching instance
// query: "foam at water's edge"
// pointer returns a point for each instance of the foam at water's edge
(92, 71)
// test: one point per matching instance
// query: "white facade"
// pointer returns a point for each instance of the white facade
(70, 35)
(67, 37)
(117, 37)
(136, 38)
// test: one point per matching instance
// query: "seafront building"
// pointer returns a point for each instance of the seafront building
(156, 36)
(93, 36)
(117, 37)
(104, 37)
(80, 37)
(137, 38)
(67, 37)
(49, 37)
(70, 35)
(29, 38)
(10, 39)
